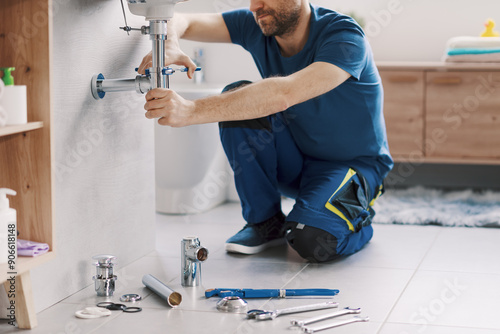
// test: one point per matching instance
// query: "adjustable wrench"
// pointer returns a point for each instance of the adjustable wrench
(332, 325)
(305, 322)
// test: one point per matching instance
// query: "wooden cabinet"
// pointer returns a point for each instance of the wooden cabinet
(26, 155)
(443, 113)
(463, 108)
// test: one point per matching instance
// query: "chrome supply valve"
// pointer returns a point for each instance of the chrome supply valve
(193, 254)
(104, 278)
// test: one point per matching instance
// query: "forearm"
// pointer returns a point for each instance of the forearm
(176, 28)
(269, 96)
(256, 100)
(199, 27)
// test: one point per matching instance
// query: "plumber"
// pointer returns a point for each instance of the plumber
(312, 129)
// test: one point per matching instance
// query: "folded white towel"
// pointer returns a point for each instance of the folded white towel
(479, 58)
(462, 42)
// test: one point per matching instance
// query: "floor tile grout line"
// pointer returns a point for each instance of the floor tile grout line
(439, 232)
(445, 326)
(410, 280)
(105, 323)
(291, 279)
(458, 272)
(428, 250)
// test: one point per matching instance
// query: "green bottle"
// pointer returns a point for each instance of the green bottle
(7, 78)
(14, 100)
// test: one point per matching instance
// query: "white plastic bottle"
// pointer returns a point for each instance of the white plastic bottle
(8, 228)
(3, 113)
(199, 60)
(14, 100)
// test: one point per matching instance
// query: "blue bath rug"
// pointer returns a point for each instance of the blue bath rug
(423, 206)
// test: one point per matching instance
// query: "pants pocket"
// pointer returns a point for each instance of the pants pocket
(352, 201)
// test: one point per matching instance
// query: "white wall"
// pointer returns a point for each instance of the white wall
(399, 30)
(417, 30)
(104, 150)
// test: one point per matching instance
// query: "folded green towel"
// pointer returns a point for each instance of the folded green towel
(472, 51)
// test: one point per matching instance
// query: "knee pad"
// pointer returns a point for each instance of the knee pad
(262, 123)
(317, 245)
(313, 244)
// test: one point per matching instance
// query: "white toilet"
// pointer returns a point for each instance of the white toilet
(192, 172)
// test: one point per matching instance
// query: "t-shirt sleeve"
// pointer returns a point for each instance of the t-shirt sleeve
(345, 48)
(240, 23)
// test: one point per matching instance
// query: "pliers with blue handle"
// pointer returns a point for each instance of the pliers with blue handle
(269, 293)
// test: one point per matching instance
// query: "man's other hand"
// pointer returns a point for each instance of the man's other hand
(173, 55)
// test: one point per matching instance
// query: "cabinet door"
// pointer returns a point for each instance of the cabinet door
(463, 115)
(403, 111)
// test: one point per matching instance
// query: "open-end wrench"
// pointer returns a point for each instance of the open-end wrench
(269, 315)
(335, 324)
(305, 322)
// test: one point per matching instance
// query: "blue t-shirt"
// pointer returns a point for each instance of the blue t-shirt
(345, 124)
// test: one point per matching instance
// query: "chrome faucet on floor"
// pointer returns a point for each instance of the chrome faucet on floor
(193, 254)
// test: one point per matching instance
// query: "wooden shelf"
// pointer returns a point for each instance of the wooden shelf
(446, 160)
(24, 264)
(27, 157)
(435, 66)
(13, 129)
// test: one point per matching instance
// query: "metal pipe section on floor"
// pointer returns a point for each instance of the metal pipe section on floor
(173, 298)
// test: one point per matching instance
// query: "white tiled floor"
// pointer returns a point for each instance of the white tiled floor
(408, 280)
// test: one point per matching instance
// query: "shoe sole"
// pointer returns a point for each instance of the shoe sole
(249, 250)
